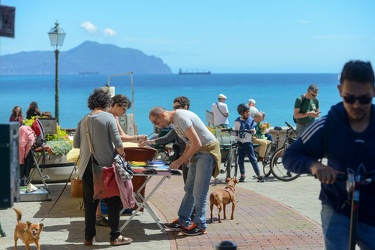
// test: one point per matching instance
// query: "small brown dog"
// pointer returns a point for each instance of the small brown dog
(221, 198)
(28, 232)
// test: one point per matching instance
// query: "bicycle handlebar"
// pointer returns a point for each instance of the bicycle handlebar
(290, 127)
(233, 130)
(367, 177)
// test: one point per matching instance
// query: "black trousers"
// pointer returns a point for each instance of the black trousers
(114, 206)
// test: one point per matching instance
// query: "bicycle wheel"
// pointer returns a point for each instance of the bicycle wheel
(277, 167)
(266, 161)
(230, 163)
(266, 169)
(235, 167)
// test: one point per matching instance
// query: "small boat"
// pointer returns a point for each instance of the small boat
(194, 72)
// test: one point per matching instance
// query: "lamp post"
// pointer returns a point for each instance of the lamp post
(56, 36)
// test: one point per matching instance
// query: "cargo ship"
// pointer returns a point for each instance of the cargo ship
(194, 72)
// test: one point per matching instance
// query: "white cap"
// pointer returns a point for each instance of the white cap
(221, 96)
(252, 101)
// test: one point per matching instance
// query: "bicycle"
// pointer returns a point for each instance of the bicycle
(231, 161)
(353, 184)
(271, 149)
(276, 164)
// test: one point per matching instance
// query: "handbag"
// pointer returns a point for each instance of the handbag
(105, 184)
(114, 180)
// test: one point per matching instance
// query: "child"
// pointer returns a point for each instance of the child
(245, 122)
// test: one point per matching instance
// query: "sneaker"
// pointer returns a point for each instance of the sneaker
(260, 178)
(174, 226)
(193, 230)
(242, 178)
(103, 222)
(89, 242)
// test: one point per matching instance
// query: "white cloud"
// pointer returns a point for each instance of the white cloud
(89, 26)
(110, 32)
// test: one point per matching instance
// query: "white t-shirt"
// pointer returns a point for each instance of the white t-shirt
(184, 119)
(219, 109)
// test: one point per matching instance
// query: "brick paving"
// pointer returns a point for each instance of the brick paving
(260, 222)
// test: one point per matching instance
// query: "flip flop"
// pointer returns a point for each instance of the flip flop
(121, 240)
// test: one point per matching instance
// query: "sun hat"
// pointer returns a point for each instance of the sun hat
(221, 96)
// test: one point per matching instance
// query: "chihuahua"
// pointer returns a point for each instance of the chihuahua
(28, 232)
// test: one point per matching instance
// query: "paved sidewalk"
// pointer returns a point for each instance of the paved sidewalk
(260, 222)
(269, 215)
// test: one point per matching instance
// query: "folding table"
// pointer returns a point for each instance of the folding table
(142, 202)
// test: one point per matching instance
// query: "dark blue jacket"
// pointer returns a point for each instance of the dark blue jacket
(345, 149)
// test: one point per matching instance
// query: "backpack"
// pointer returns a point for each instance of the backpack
(303, 102)
(38, 128)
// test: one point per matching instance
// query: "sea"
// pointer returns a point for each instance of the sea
(275, 94)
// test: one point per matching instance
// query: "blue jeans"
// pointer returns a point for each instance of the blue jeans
(247, 149)
(300, 128)
(336, 230)
(196, 189)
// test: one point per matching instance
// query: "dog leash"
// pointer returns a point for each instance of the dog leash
(62, 191)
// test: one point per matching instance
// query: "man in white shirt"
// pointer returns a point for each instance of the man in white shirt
(220, 112)
(253, 109)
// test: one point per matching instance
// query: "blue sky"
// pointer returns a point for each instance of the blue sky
(244, 36)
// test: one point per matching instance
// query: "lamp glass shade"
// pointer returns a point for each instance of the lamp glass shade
(56, 36)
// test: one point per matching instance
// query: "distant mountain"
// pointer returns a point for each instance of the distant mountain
(89, 57)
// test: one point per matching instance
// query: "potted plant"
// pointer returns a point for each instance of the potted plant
(60, 142)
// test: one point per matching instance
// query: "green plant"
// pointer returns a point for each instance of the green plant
(60, 147)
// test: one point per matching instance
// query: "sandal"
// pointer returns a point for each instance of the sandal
(121, 240)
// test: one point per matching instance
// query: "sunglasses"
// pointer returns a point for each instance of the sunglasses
(177, 107)
(362, 99)
(313, 94)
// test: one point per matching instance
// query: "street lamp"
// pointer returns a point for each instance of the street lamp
(56, 36)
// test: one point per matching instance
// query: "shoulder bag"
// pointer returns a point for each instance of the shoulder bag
(105, 184)
(220, 110)
(113, 180)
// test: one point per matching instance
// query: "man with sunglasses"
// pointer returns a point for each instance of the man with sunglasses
(306, 109)
(346, 137)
